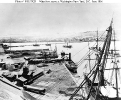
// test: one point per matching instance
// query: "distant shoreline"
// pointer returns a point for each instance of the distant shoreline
(49, 41)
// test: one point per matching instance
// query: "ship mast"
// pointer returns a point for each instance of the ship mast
(97, 38)
(89, 56)
(101, 61)
(99, 66)
(116, 69)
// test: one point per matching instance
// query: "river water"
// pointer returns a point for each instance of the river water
(77, 51)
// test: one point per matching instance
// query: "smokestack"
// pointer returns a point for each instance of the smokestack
(69, 56)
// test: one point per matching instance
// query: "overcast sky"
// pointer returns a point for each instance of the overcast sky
(56, 20)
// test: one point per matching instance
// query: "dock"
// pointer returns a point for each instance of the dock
(58, 83)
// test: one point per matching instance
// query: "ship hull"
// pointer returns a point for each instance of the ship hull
(93, 92)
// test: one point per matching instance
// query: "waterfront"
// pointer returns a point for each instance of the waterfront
(77, 51)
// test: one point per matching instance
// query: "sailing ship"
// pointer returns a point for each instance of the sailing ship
(96, 83)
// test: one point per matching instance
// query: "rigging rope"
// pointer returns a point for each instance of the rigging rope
(79, 51)
(86, 55)
(83, 82)
(119, 76)
(87, 45)
(111, 76)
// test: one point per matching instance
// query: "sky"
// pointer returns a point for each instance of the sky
(54, 20)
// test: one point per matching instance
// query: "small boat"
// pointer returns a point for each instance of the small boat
(48, 44)
(5, 46)
(67, 46)
(35, 44)
(71, 66)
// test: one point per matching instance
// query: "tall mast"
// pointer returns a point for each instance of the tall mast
(116, 67)
(100, 64)
(89, 57)
(97, 38)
